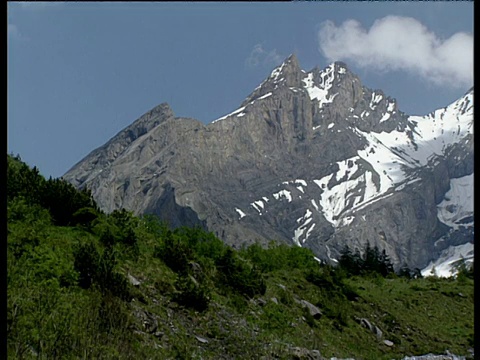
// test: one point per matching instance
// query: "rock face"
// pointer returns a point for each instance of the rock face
(313, 159)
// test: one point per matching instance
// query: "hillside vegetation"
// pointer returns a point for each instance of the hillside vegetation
(82, 284)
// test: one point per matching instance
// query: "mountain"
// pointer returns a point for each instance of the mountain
(313, 159)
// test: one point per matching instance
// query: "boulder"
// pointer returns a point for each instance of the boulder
(312, 309)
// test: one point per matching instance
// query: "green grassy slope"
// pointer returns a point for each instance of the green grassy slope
(70, 293)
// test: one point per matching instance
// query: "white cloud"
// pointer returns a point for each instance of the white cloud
(260, 56)
(401, 43)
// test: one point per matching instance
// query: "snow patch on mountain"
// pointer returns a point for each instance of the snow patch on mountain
(231, 114)
(240, 212)
(457, 207)
(321, 92)
(305, 220)
(285, 193)
(449, 260)
(353, 188)
(431, 134)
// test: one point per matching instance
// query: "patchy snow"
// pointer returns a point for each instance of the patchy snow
(329, 253)
(241, 114)
(284, 193)
(258, 205)
(330, 125)
(390, 155)
(391, 107)
(340, 201)
(385, 117)
(345, 194)
(232, 113)
(432, 134)
(458, 203)
(308, 232)
(298, 232)
(264, 96)
(346, 220)
(276, 72)
(300, 181)
(314, 204)
(265, 199)
(375, 100)
(445, 265)
(320, 92)
(240, 212)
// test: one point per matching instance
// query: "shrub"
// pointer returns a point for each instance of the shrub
(94, 268)
(240, 275)
(63, 200)
(175, 252)
(85, 217)
(280, 256)
(192, 293)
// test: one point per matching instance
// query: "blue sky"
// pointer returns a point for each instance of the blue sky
(78, 73)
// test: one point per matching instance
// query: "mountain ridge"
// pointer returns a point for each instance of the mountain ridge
(302, 160)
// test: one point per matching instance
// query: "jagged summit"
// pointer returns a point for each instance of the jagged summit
(311, 158)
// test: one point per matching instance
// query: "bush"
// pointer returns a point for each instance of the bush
(240, 275)
(192, 293)
(85, 217)
(175, 252)
(23, 181)
(94, 268)
(277, 257)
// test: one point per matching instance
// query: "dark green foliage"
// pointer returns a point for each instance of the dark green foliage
(99, 269)
(59, 197)
(126, 223)
(280, 256)
(63, 201)
(86, 264)
(408, 273)
(352, 263)
(238, 274)
(67, 297)
(205, 244)
(465, 272)
(372, 262)
(23, 181)
(192, 293)
(85, 217)
(175, 252)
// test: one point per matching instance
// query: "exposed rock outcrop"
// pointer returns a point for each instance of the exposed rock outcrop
(309, 158)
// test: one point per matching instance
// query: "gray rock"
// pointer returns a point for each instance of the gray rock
(255, 175)
(388, 343)
(261, 302)
(133, 280)
(378, 332)
(201, 339)
(302, 353)
(148, 320)
(312, 309)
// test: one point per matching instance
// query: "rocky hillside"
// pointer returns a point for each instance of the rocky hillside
(312, 158)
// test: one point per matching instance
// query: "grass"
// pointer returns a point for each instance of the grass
(419, 316)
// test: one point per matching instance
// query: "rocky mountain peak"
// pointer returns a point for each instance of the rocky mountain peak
(311, 158)
(289, 74)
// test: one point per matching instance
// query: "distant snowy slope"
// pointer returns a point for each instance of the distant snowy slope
(447, 264)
